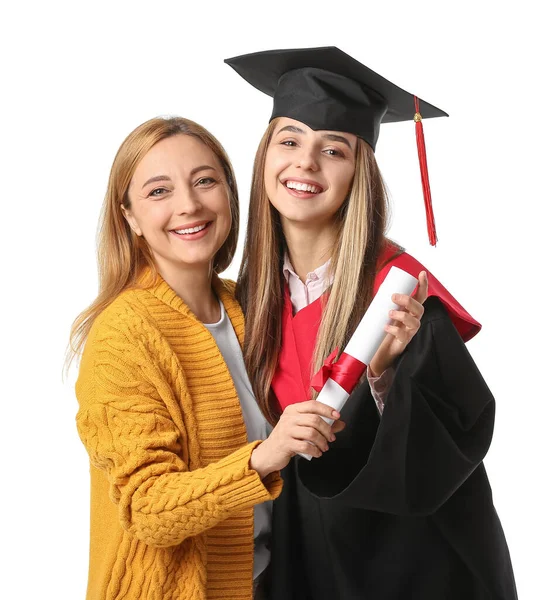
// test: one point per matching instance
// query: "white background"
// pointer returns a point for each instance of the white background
(77, 78)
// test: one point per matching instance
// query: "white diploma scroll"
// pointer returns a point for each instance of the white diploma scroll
(369, 334)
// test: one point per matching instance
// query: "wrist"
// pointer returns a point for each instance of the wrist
(258, 461)
(377, 368)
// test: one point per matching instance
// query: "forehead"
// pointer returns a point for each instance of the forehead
(175, 154)
(306, 129)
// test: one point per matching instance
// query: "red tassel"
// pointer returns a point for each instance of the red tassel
(431, 231)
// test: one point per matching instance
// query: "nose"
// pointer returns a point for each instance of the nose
(187, 201)
(307, 160)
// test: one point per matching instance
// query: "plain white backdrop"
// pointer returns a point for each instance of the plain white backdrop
(78, 77)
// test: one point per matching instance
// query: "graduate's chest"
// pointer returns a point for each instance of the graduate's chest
(291, 382)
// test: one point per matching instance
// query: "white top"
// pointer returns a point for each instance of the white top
(256, 426)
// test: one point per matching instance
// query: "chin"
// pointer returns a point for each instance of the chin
(197, 261)
(303, 217)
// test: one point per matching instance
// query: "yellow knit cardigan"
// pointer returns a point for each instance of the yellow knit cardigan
(172, 493)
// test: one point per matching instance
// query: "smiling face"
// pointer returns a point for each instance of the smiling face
(178, 201)
(308, 173)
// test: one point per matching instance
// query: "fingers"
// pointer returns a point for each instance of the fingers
(301, 447)
(421, 293)
(404, 327)
(399, 333)
(338, 426)
(300, 430)
(405, 318)
(303, 423)
(316, 423)
(309, 434)
(329, 431)
(317, 408)
(410, 304)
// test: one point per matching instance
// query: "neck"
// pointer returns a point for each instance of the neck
(193, 286)
(309, 248)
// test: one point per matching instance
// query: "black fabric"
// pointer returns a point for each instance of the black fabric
(400, 507)
(326, 88)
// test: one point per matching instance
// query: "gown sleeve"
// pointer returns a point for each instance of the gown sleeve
(435, 430)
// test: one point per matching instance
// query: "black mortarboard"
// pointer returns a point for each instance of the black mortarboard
(326, 88)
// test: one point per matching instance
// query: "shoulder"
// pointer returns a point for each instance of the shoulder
(126, 312)
(124, 331)
(394, 256)
(116, 347)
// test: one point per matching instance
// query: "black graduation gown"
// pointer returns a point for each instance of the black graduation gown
(400, 507)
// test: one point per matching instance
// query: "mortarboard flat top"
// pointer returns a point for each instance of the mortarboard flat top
(325, 88)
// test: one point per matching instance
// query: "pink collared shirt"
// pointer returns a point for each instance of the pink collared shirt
(302, 294)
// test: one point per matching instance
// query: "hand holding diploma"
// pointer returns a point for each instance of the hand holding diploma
(302, 429)
(404, 326)
(390, 322)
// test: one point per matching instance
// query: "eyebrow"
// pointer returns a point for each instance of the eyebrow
(291, 128)
(166, 178)
(329, 136)
(338, 138)
(202, 168)
(156, 178)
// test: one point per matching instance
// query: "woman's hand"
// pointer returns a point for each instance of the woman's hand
(406, 323)
(299, 430)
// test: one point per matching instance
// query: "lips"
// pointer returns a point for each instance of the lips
(191, 228)
(192, 231)
(304, 186)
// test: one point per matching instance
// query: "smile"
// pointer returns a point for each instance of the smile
(300, 186)
(191, 230)
(194, 232)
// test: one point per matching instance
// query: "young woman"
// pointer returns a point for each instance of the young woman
(399, 507)
(178, 448)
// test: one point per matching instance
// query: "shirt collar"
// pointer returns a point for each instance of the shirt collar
(320, 273)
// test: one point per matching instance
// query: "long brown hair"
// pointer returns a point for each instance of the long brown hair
(362, 220)
(121, 255)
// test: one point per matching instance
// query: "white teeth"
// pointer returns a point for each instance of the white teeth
(191, 230)
(303, 187)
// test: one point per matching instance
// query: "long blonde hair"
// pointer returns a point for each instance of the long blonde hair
(121, 255)
(362, 221)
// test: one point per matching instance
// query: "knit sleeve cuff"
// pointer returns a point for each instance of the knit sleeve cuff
(244, 487)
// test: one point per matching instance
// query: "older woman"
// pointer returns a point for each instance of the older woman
(181, 470)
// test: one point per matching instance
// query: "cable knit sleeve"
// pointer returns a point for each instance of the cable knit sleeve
(127, 426)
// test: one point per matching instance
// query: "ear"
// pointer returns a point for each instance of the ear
(131, 220)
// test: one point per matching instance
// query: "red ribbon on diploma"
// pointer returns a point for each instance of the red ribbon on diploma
(346, 372)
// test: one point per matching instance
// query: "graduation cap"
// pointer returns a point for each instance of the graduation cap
(325, 88)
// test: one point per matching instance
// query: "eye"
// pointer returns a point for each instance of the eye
(288, 143)
(333, 152)
(205, 181)
(157, 192)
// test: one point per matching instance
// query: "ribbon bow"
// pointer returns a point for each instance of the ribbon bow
(319, 379)
(346, 372)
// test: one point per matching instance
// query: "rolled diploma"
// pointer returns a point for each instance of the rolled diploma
(369, 334)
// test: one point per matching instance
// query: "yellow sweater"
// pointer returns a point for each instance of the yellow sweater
(172, 494)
